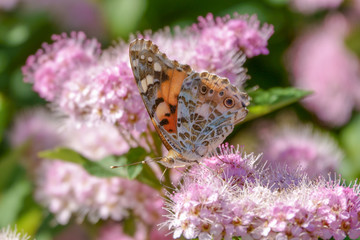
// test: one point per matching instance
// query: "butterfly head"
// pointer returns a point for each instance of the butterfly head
(175, 159)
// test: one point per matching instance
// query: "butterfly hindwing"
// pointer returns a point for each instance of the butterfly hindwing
(209, 106)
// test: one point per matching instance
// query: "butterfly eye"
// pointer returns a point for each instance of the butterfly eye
(203, 89)
(229, 102)
(171, 161)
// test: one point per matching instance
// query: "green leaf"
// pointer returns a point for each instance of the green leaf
(278, 2)
(30, 220)
(352, 40)
(102, 168)
(17, 34)
(11, 201)
(9, 165)
(122, 16)
(4, 114)
(64, 154)
(129, 226)
(148, 177)
(266, 101)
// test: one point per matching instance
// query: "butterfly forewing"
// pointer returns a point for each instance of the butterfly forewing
(159, 81)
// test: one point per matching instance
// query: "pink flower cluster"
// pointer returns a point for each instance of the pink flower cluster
(276, 204)
(218, 45)
(106, 92)
(242, 32)
(39, 130)
(301, 146)
(113, 231)
(53, 65)
(320, 61)
(66, 189)
(92, 85)
(311, 6)
(86, 86)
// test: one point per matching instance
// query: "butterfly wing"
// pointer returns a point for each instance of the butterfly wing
(159, 81)
(209, 107)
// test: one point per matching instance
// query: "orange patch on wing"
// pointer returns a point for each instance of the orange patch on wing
(169, 91)
(164, 90)
(176, 82)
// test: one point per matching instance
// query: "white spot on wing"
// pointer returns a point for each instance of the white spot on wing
(142, 57)
(150, 59)
(157, 67)
(144, 85)
(135, 62)
(149, 79)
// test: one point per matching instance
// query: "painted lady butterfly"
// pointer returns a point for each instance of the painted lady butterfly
(192, 112)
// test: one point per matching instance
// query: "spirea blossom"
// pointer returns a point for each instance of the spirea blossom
(67, 190)
(311, 6)
(52, 66)
(97, 142)
(199, 45)
(209, 205)
(38, 129)
(105, 92)
(320, 62)
(243, 32)
(9, 234)
(300, 146)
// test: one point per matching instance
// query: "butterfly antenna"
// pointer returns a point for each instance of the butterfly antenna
(130, 164)
(136, 163)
